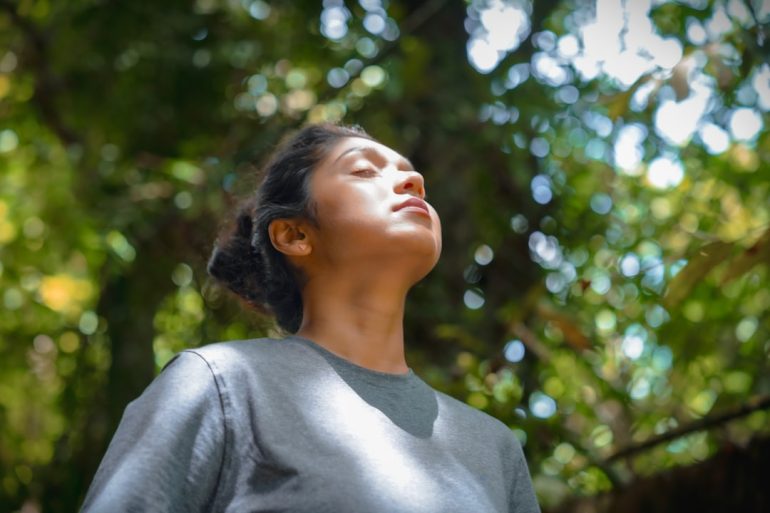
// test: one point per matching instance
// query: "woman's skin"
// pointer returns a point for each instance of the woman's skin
(364, 255)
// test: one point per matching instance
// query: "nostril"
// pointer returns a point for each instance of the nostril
(408, 185)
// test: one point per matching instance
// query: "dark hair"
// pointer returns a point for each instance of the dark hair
(244, 258)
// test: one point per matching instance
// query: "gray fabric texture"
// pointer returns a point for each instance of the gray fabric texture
(269, 425)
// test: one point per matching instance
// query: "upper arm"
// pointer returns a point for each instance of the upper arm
(168, 450)
(522, 496)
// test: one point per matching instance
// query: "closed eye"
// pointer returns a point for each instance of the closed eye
(364, 172)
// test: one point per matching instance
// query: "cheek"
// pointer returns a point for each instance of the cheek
(351, 207)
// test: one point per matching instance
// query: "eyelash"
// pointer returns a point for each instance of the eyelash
(364, 171)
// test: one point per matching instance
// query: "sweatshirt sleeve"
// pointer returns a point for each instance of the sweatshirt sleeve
(167, 452)
(522, 497)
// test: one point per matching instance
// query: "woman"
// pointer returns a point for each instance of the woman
(331, 418)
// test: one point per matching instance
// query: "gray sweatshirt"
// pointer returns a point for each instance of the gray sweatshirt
(270, 425)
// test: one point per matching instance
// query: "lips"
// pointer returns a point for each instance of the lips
(414, 204)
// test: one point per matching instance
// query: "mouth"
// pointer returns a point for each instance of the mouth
(415, 205)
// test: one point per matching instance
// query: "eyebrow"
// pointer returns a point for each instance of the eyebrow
(369, 149)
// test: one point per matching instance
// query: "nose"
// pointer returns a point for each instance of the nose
(411, 182)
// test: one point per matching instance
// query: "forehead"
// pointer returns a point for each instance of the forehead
(356, 147)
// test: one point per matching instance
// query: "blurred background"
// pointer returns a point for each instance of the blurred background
(600, 168)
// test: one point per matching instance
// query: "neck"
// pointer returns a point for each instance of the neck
(361, 322)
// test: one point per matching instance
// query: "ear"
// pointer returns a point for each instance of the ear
(290, 237)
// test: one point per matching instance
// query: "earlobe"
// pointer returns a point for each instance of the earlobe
(288, 236)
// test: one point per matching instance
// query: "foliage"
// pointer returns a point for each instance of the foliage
(606, 223)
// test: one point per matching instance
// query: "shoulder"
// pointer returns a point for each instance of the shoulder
(185, 382)
(236, 359)
(460, 409)
(478, 427)
(235, 352)
(465, 416)
(169, 446)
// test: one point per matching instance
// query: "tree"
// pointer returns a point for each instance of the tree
(600, 170)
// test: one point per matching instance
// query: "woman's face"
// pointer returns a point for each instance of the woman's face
(370, 208)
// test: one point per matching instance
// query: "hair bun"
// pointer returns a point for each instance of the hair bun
(236, 263)
(245, 224)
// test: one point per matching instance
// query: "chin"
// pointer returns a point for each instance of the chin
(424, 243)
(427, 261)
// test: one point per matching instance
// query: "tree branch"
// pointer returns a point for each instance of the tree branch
(752, 405)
